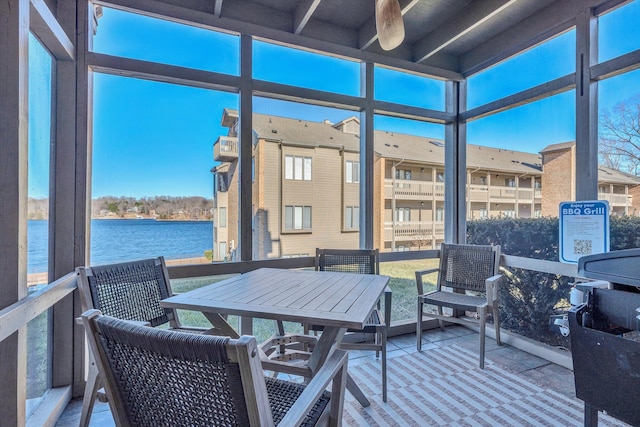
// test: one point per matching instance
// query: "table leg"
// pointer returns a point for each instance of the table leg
(326, 344)
(220, 323)
(246, 325)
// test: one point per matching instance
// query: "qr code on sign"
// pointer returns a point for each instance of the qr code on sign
(582, 247)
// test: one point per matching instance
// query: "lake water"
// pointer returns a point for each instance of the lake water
(116, 240)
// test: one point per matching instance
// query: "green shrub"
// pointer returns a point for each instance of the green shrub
(528, 298)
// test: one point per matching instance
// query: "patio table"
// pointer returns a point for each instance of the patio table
(337, 301)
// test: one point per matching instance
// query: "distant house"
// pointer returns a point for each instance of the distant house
(306, 184)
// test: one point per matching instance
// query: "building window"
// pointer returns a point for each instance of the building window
(510, 182)
(221, 181)
(352, 217)
(483, 180)
(483, 213)
(509, 213)
(439, 214)
(440, 176)
(222, 220)
(297, 218)
(403, 174)
(297, 168)
(352, 172)
(537, 213)
(403, 214)
(223, 251)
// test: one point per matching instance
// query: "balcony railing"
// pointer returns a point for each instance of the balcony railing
(408, 189)
(413, 230)
(225, 149)
(616, 199)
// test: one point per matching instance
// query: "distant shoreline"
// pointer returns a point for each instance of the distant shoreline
(153, 219)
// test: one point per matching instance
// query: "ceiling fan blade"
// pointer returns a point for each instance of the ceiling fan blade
(389, 23)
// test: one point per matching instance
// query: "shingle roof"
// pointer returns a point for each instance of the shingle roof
(412, 148)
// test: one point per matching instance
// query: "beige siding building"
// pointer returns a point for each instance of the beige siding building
(306, 178)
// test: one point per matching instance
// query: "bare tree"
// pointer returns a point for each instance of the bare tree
(620, 137)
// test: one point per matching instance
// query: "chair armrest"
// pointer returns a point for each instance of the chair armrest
(492, 284)
(419, 275)
(137, 322)
(334, 369)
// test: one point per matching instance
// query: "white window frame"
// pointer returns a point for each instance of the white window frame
(352, 217)
(352, 172)
(297, 168)
(222, 217)
(403, 214)
(297, 218)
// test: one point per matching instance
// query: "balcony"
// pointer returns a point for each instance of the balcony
(225, 149)
(517, 388)
(616, 200)
(534, 377)
(410, 189)
(410, 231)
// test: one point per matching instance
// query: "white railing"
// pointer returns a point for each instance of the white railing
(616, 199)
(413, 230)
(225, 147)
(409, 189)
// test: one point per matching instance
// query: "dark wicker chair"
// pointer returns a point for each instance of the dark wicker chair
(364, 261)
(128, 291)
(157, 377)
(463, 268)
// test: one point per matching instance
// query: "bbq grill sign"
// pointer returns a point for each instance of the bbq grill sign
(584, 229)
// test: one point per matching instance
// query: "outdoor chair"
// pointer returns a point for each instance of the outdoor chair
(465, 272)
(129, 291)
(156, 377)
(364, 261)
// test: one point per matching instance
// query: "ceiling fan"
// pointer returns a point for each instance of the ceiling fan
(389, 23)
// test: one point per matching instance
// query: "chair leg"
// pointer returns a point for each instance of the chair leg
(94, 383)
(384, 365)
(419, 326)
(482, 312)
(440, 321)
(496, 323)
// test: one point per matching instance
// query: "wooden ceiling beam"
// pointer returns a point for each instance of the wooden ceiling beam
(472, 17)
(302, 14)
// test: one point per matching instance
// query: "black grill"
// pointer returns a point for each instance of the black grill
(604, 338)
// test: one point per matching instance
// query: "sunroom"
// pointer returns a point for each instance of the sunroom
(109, 104)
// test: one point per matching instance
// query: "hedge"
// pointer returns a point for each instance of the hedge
(528, 298)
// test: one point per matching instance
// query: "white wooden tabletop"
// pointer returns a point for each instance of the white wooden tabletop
(342, 300)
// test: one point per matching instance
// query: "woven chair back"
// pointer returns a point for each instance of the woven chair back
(170, 378)
(363, 261)
(131, 290)
(468, 266)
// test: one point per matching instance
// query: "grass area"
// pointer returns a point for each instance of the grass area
(402, 283)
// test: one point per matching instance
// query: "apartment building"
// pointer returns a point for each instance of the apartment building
(306, 178)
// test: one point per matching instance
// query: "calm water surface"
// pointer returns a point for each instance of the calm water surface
(116, 240)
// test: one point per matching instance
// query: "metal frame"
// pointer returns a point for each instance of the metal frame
(71, 169)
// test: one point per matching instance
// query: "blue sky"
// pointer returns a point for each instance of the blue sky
(154, 138)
